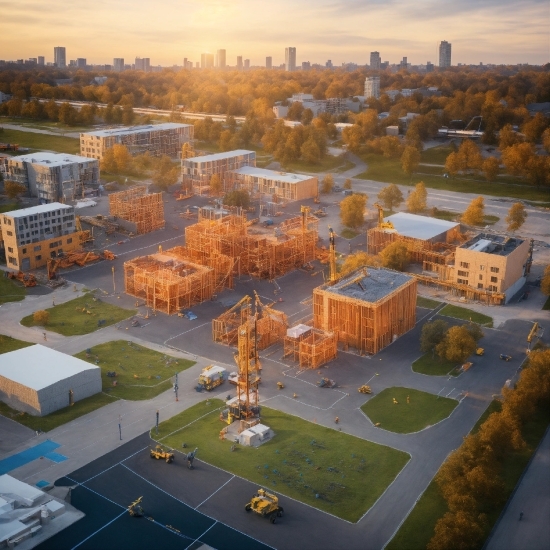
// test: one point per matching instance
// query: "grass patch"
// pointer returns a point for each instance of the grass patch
(490, 219)
(57, 418)
(10, 291)
(44, 124)
(433, 365)
(346, 473)
(40, 142)
(467, 315)
(546, 305)
(142, 373)
(348, 233)
(426, 302)
(348, 165)
(72, 318)
(327, 164)
(494, 406)
(424, 409)
(436, 155)
(7, 344)
(446, 215)
(9, 207)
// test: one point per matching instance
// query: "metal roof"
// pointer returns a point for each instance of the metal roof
(218, 156)
(38, 367)
(52, 159)
(419, 227)
(135, 129)
(271, 174)
(40, 209)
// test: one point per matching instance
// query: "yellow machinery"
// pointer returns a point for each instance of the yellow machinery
(332, 256)
(480, 351)
(211, 377)
(533, 332)
(108, 255)
(84, 236)
(381, 223)
(160, 453)
(364, 389)
(135, 508)
(280, 385)
(266, 504)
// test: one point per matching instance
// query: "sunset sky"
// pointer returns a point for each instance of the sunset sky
(491, 31)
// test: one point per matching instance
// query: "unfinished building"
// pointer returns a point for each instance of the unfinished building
(197, 172)
(310, 347)
(166, 138)
(52, 177)
(367, 310)
(141, 211)
(177, 278)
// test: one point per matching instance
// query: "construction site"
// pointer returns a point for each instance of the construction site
(137, 210)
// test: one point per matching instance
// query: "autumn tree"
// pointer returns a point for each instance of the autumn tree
(327, 184)
(545, 281)
(187, 150)
(166, 173)
(358, 260)
(395, 256)
(432, 334)
(391, 147)
(237, 197)
(457, 345)
(516, 158)
(417, 200)
(490, 168)
(352, 210)
(534, 128)
(460, 530)
(310, 151)
(508, 137)
(410, 159)
(452, 164)
(215, 184)
(41, 317)
(391, 196)
(516, 216)
(546, 140)
(475, 213)
(14, 190)
(347, 184)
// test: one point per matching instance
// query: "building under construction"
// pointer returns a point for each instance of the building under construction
(367, 309)
(177, 278)
(310, 347)
(141, 212)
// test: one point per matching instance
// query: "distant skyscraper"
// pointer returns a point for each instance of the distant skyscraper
(118, 64)
(41, 60)
(143, 64)
(372, 87)
(306, 65)
(328, 64)
(60, 56)
(404, 63)
(221, 59)
(207, 60)
(375, 60)
(185, 62)
(268, 62)
(239, 62)
(445, 54)
(246, 64)
(290, 59)
(81, 62)
(429, 67)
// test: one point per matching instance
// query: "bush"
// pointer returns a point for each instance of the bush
(41, 317)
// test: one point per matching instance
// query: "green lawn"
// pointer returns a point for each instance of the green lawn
(424, 409)
(9, 207)
(436, 155)
(57, 418)
(40, 142)
(494, 406)
(43, 124)
(7, 343)
(490, 219)
(426, 302)
(328, 164)
(348, 233)
(433, 365)
(321, 467)
(81, 316)
(142, 373)
(467, 315)
(10, 291)
(447, 215)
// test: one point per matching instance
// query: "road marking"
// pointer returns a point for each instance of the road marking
(215, 522)
(100, 529)
(181, 334)
(218, 489)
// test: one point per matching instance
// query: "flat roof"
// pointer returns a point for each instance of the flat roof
(369, 284)
(39, 209)
(219, 156)
(38, 367)
(271, 174)
(498, 245)
(52, 159)
(419, 227)
(135, 129)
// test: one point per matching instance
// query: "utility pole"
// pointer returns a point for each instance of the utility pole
(114, 287)
(119, 427)
(176, 387)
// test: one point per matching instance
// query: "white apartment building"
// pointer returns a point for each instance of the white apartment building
(372, 87)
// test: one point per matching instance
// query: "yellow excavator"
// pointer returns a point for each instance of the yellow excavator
(266, 504)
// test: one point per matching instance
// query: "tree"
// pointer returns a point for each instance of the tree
(432, 334)
(352, 210)
(215, 184)
(457, 345)
(360, 259)
(310, 151)
(128, 115)
(545, 281)
(295, 111)
(14, 189)
(416, 201)
(460, 530)
(475, 331)
(410, 159)
(187, 150)
(508, 137)
(546, 140)
(452, 164)
(237, 198)
(122, 157)
(469, 156)
(475, 213)
(534, 128)
(395, 256)
(516, 216)
(391, 147)
(166, 173)
(516, 158)
(327, 184)
(67, 114)
(491, 168)
(307, 117)
(391, 196)
(108, 163)
(41, 317)
(347, 184)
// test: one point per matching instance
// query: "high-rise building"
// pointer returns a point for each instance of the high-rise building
(246, 64)
(372, 87)
(207, 60)
(185, 62)
(306, 65)
(445, 54)
(268, 62)
(328, 64)
(118, 64)
(41, 60)
(239, 62)
(375, 60)
(290, 59)
(220, 63)
(81, 62)
(404, 64)
(60, 56)
(429, 67)
(143, 64)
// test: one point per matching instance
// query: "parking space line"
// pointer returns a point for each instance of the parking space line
(110, 467)
(215, 522)
(100, 529)
(218, 489)
(96, 493)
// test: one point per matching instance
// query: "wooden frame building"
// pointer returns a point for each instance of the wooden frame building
(143, 211)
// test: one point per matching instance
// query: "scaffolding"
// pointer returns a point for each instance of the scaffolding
(310, 347)
(135, 205)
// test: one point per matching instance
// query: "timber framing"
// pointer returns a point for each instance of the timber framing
(310, 347)
(135, 205)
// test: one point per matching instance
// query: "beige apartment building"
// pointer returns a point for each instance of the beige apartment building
(159, 139)
(496, 263)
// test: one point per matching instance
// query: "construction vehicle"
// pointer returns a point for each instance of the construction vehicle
(159, 452)
(108, 255)
(505, 357)
(211, 377)
(233, 378)
(326, 383)
(280, 385)
(320, 213)
(364, 389)
(533, 332)
(381, 223)
(266, 505)
(135, 509)
(28, 279)
(480, 351)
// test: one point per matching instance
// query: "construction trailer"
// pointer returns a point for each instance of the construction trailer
(177, 278)
(367, 309)
(310, 347)
(143, 212)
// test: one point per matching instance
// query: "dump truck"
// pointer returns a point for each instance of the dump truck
(266, 505)
(159, 452)
(211, 377)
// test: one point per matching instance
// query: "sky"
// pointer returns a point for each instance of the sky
(166, 31)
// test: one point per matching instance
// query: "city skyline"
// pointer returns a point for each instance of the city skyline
(497, 32)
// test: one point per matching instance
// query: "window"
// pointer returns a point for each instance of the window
(12, 260)
(9, 233)
(480, 277)
(493, 288)
(479, 285)
(37, 248)
(494, 279)
(69, 241)
(10, 249)
(462, 281)
(494, 270)
(465, 264)
(482, 268)
(463, 273)
(38, 258)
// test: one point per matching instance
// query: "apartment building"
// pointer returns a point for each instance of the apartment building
(33, 235)
(444, 54)
(372, 87)
(51, 177)
(60, 57)
(290, 59)
(159, 139)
